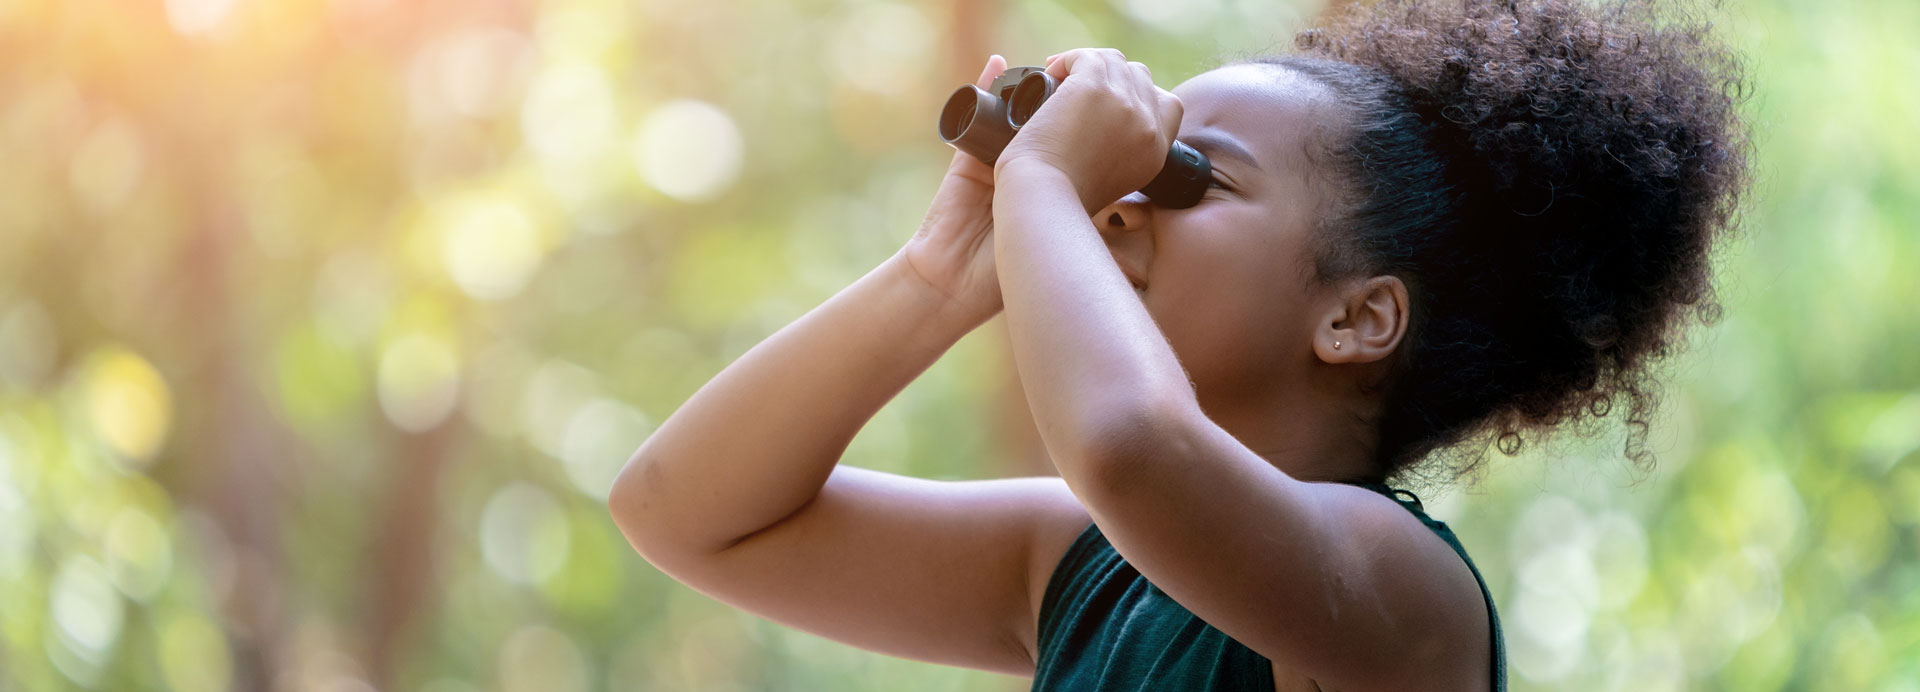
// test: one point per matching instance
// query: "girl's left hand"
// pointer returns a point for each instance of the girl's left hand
(1106, 126)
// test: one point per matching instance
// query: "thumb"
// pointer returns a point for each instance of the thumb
(995, 66)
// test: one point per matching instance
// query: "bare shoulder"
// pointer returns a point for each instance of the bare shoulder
(1445, 626)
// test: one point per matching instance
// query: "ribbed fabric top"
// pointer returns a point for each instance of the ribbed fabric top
(1105, 627)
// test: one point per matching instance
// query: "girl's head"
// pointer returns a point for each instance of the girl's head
(1501, 211)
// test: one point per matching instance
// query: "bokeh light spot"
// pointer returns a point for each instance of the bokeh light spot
(195, 17)
(128, 403)
(556, 390)
(600, 438)
(689, 150)
(490, 247)
(568, 115)
(1620, 558)
(86, 608)
(418, 382)
(1557, 592)
(523, 534)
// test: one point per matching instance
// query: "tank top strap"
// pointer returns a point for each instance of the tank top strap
(1395, 494)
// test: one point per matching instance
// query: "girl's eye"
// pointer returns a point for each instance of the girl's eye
(1215, 182)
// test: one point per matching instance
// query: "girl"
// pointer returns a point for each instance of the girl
(1436, 224)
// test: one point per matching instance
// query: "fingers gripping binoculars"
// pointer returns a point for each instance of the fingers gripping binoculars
(982, 122)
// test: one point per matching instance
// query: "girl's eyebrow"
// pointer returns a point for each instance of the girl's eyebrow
(1215, 144)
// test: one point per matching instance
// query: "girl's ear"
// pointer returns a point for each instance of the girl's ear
(1365, 322)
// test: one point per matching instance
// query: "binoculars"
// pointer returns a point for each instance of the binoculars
(982, 122)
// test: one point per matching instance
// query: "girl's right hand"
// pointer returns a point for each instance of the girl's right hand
(953, 248)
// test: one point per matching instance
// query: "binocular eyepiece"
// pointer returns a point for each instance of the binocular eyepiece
(982, 122)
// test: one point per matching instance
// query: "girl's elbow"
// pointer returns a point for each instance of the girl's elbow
(1125, 441)
(628, 499)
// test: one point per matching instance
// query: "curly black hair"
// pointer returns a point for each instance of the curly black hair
(1548, 178)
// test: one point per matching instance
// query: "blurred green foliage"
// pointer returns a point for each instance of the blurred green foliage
(325, 325)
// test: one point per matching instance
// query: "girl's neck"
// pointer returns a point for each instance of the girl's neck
(1311, 439)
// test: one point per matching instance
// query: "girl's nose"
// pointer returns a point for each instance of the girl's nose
(1128, 213)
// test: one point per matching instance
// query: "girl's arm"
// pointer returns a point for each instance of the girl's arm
(738, 494)
(757, 442)
(1090, 357)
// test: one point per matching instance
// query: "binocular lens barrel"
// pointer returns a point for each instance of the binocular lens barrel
(1032, 91)
(957, 115)
(982, 121)
(975, 122)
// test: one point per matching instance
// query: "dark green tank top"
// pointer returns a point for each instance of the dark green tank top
(1104, 627)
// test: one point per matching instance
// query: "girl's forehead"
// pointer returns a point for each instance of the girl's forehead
(1270, 110)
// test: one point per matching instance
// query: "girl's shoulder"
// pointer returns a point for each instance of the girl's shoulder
(1411, 502)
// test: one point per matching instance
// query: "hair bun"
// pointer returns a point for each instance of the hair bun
(1590, 155)
(1552, 93)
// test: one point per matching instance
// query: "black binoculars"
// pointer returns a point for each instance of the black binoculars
(982, 122)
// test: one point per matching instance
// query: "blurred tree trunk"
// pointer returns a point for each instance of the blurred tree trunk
(400, 560)
(968, 46)
(236, 482)
(1019, 451)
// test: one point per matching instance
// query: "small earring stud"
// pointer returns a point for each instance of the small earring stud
(1336, 345)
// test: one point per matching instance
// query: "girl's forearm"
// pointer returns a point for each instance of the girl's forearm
(758, 441)
(1093, 363)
